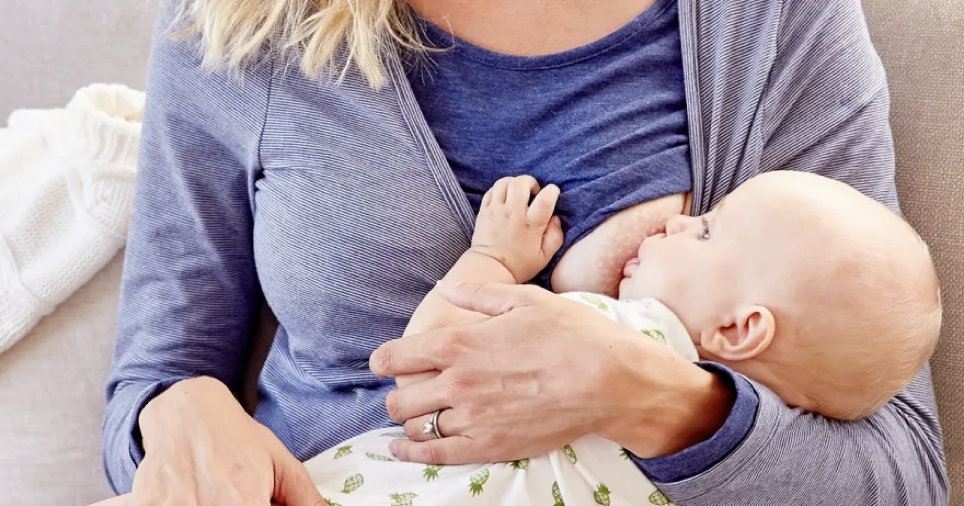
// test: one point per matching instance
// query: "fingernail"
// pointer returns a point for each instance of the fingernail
(373, 363)
(393, 447)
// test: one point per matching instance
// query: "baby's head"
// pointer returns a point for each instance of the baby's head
(803, 284)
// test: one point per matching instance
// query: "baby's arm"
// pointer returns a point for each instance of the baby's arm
(513, 241)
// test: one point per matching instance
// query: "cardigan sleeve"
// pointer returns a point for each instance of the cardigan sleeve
(824, 108)
(189, 285)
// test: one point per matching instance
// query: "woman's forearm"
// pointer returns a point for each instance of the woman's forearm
(434, 311)
(894, 453)
(892, 457)
(692, 404)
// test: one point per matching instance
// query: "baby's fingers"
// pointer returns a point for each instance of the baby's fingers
(521, 189)
(496, 194)
(541, 208)
(553, 238)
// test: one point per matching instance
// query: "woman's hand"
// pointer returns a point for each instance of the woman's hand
(540, 373)
(202, 448)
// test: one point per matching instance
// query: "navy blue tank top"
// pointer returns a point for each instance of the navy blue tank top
(606, 122)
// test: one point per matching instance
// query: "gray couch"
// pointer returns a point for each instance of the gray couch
(51, 384)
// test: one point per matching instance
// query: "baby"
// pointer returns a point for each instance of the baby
(803, 284)
(799, 282)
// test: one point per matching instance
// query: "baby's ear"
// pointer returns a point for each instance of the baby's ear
(747, 336)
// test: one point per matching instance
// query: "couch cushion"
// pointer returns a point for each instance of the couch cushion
(52, 400)
(922, 46)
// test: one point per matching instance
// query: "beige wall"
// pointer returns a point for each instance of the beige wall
(50, 48)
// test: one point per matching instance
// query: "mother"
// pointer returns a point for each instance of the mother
(341, 202)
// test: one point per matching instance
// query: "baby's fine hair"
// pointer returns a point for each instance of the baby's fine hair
(872, 323)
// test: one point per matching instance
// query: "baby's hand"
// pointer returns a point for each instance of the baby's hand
(521, 236)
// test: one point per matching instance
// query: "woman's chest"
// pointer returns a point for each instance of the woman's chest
(595, 263)
(351, 226)
(595, 120)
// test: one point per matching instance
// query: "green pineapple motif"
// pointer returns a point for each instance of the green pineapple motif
(352, 483)
(557, 495)
(342, 451)
(402, 499)
(658, 498)
(330, 502)
(655, 335)
(570, 453)
(595, 301)
(601, 495)
(624, 453)
(520, 465)
(477, 481)
(431, 472)
(382, 458)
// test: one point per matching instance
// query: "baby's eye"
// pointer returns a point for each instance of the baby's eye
(705, 234)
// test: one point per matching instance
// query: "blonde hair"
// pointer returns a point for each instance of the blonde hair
(328, 35)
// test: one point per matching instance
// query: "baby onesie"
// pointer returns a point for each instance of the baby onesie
(589, 471)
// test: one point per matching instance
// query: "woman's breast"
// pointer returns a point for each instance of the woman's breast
(344, 260)
(595, 262)
(351, 228)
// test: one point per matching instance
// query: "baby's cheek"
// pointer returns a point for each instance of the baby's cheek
(650, 280)
(635, 288)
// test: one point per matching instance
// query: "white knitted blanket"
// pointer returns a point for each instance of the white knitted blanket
(66, 186)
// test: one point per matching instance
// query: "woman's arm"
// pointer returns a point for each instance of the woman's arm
(826, 111)
(189, 283)
(824, 108)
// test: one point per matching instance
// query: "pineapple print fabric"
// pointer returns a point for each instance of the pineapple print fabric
(649, 317)
(589, 471)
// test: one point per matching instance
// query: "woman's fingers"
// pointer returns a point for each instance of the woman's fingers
(437, 349)
(448, 426)
(202, 448)
(417, 353)
(405, 380)
(416, 399)
(492, 299)
(448, 451)
(540, 211)
(293, 485)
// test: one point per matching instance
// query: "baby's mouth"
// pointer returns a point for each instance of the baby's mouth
(630, 266)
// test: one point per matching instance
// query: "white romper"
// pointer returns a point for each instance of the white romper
(588, 471)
